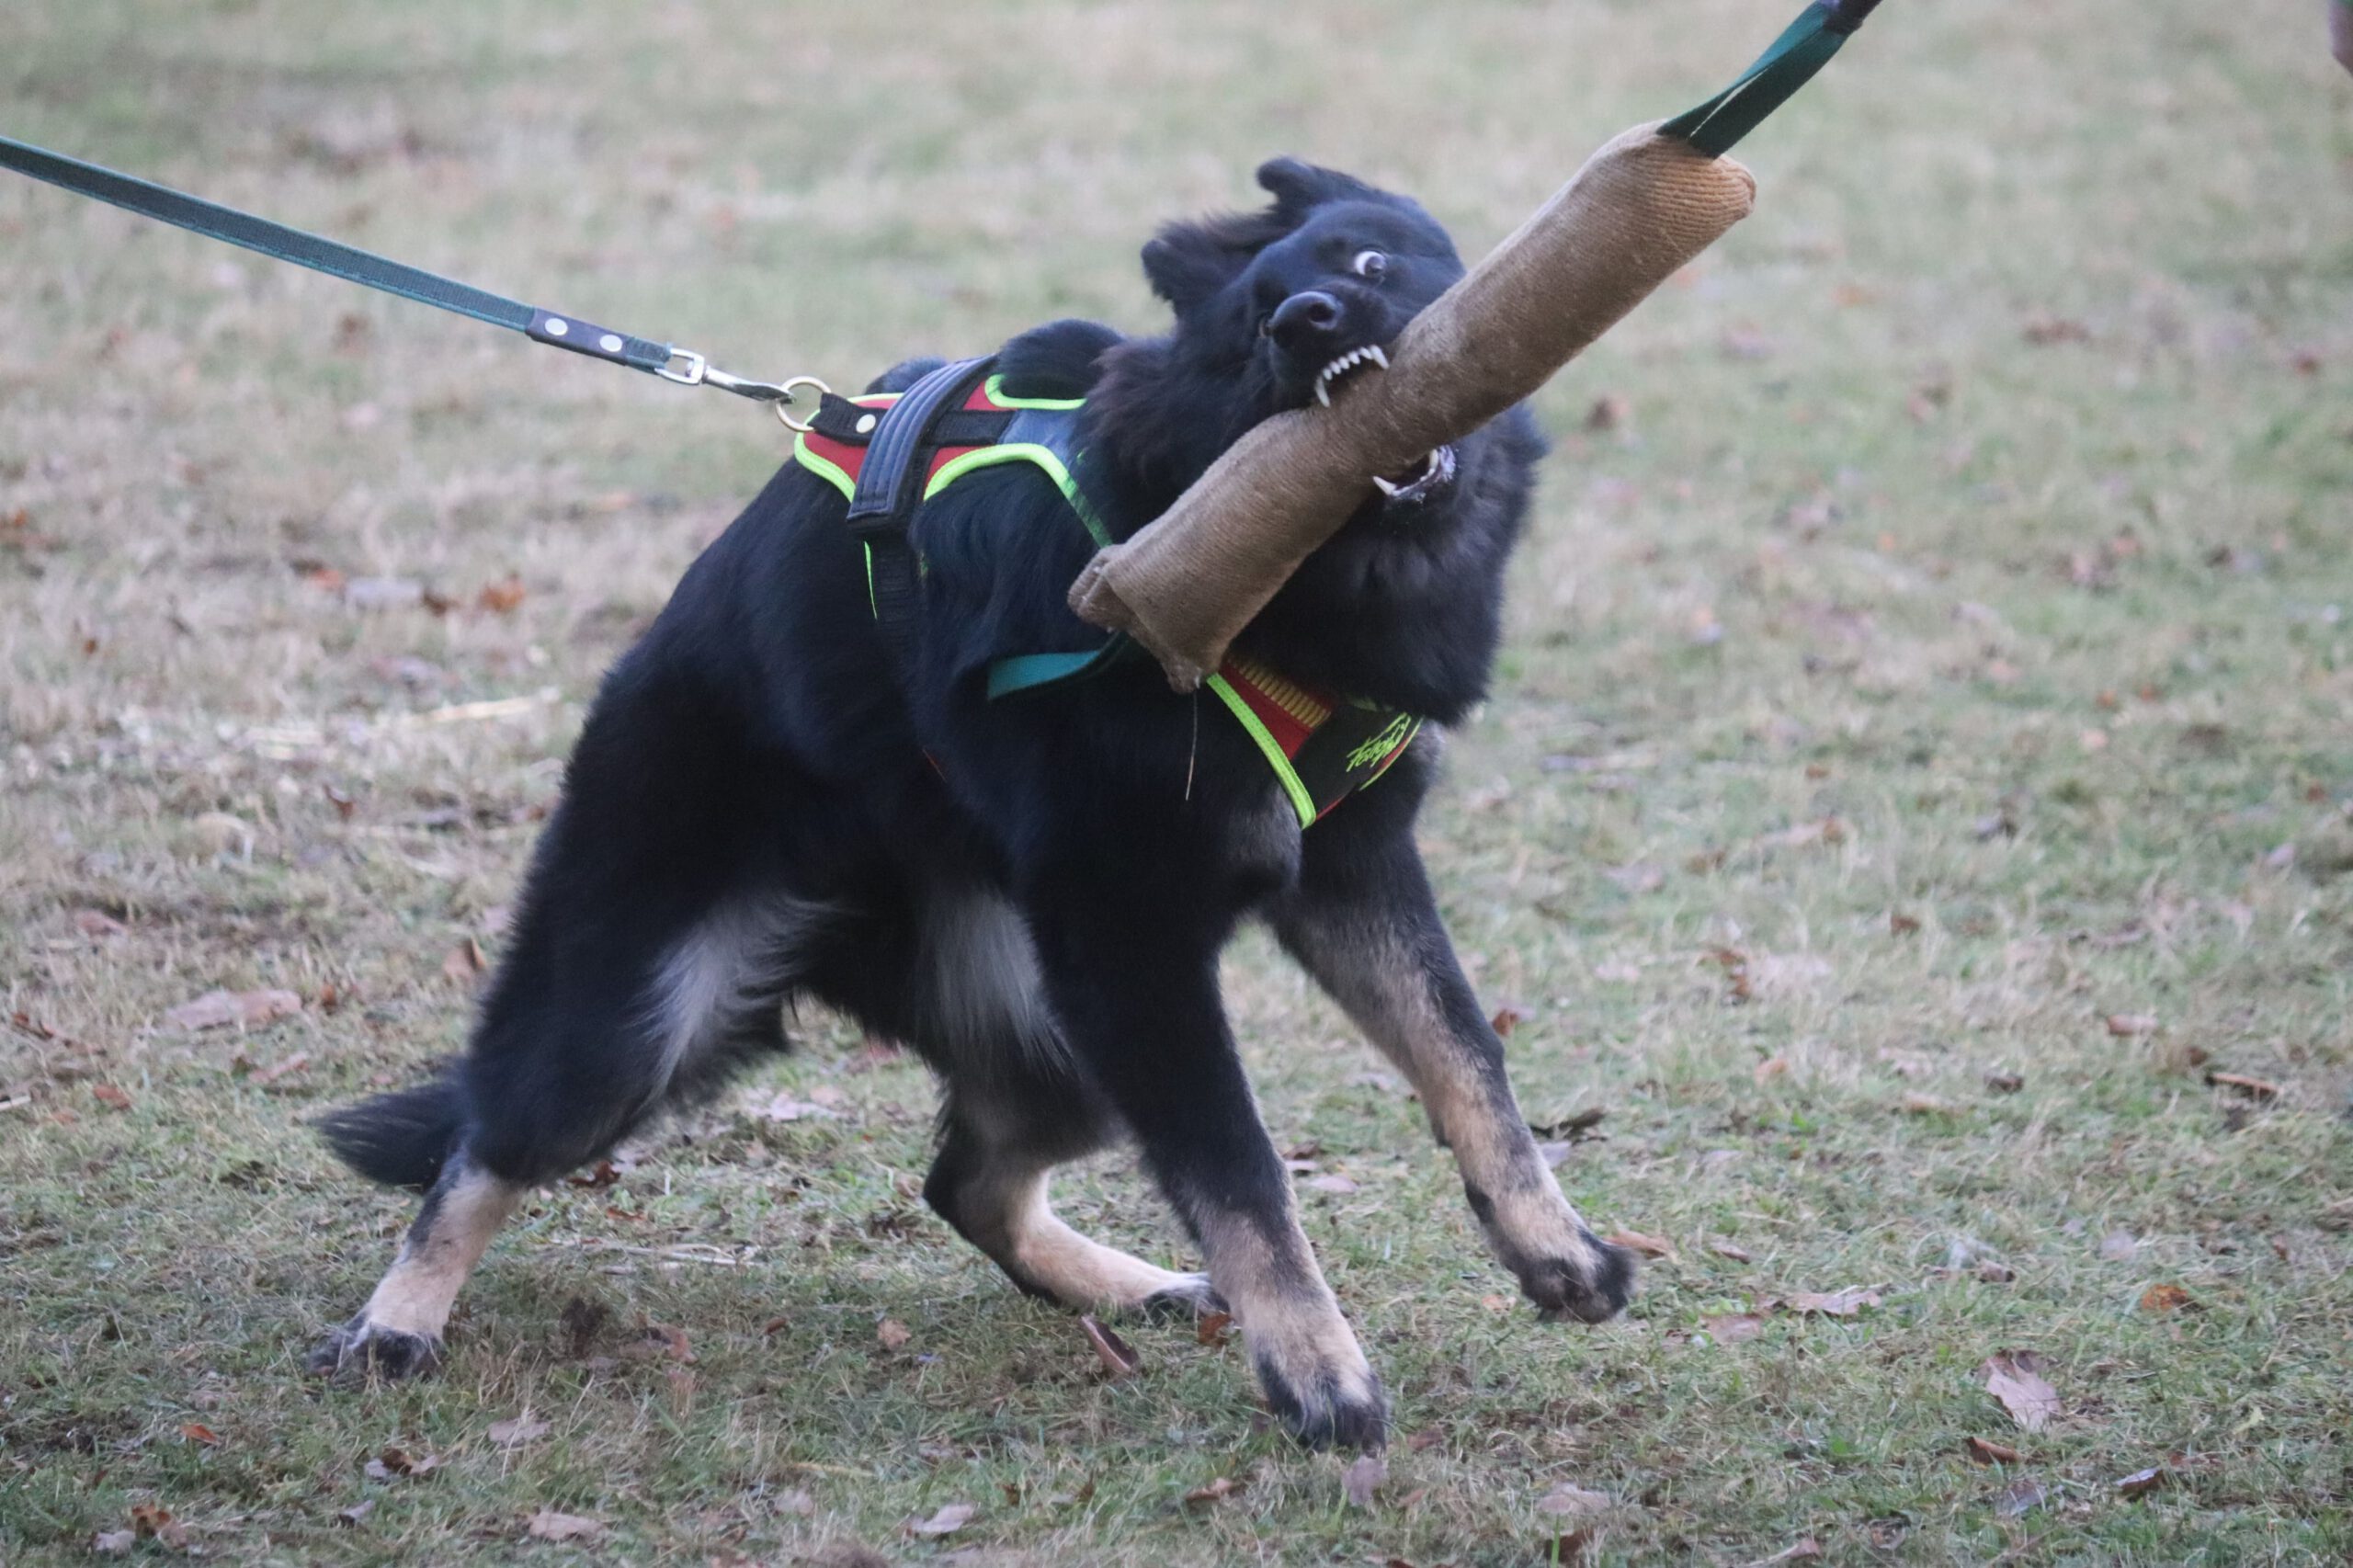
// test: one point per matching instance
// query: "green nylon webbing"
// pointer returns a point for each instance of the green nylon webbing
(1804, 47)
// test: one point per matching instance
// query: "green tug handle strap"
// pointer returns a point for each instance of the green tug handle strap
(1804, 47)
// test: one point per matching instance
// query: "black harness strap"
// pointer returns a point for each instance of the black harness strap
(889, 488)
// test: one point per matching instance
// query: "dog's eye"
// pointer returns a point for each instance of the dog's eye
(1368, 264)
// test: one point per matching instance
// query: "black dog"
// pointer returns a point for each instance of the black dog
(1031, 893)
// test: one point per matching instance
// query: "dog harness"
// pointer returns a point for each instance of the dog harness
(889, 453)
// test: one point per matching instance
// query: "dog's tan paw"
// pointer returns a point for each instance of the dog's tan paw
(358, 1351)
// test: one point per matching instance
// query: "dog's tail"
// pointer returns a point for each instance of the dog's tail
(404, 1138)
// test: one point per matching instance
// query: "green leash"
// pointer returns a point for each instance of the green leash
(284, 243)
(1803, 47)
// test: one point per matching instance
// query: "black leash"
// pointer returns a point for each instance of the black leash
(332, 257)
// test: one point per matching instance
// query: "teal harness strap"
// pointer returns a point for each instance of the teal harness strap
(1803, 47)
(1042, 671)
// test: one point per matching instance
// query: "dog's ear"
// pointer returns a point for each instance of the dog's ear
(1299, 187)
(1186, 263)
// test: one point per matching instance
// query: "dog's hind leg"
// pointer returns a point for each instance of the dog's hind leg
(1363, 922)
(650, 957)
(1134, 978)
(398, 1332)
(951, 969)
(999, 1141)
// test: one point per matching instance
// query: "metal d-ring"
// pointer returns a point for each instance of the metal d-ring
(800, 426)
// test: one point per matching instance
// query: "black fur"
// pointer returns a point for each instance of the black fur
(753, 790)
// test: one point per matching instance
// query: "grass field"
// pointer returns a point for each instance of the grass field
(1924, 753)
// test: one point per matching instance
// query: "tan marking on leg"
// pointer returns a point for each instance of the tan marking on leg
(1474, 1112)
(1074, 1270)
(415, 1296)
(1303, 1348)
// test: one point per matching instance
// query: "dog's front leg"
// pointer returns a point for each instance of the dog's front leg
(1363, 922)
(1134, 987)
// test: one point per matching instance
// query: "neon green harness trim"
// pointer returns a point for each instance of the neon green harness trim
(1293, 785)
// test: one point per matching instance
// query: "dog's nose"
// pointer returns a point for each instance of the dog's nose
(1305, 320)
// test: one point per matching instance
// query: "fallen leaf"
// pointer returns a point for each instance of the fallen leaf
(798, 1502)
(1996, 1273)
(951, 1518)
(522, 1429)
(1649, 1246)
(1330, 1182)
(1579, 1124)
(2253, 1089)
(1923, 1105)
(1119, 1357)
(502, 596)
(2165, 1299)
(401, 1462)
(2045, 330)
(1567, 1501)
(2125, 1026)
(1901, 924)
(246, 1009)
(112, 1095)
(465, 964)
(110, 1543)
(1506, 1019)
(198, 1432)
(2118, 1246)
(2005, 1083)
(2015, 1378)
(2020, 1498)
(356, 1513)
(1212, 1328)
(283, 1068)
(1806, 1548)
(2142, 1482)
(1734, 1328)
(1985, 1452)
(893, 1334)
(1362, 1479)
(1609, 412)
(604, 1174)
(774, 1326)
(222, 834)
(1726, 1249)
(1217, 1491)
(153, 1521)
(1771, 1067)
(549, 1525)
(1561, 1551)
(659, 1341)
(97, 925)
(1848, 1302)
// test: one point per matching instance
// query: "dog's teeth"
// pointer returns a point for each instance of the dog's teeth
(1372, 352)
(1386, 487)
(1323, 392)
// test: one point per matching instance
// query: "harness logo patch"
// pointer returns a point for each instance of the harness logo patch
(1399, 730)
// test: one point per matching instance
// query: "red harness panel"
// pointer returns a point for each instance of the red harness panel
(851, 458)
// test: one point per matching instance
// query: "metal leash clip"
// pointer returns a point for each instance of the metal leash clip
(689, 368)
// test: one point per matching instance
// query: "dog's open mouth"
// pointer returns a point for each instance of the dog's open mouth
(1416, 484)
(1346, 364)
(1434, 473)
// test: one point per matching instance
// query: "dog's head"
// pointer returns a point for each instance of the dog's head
(1281, 304)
